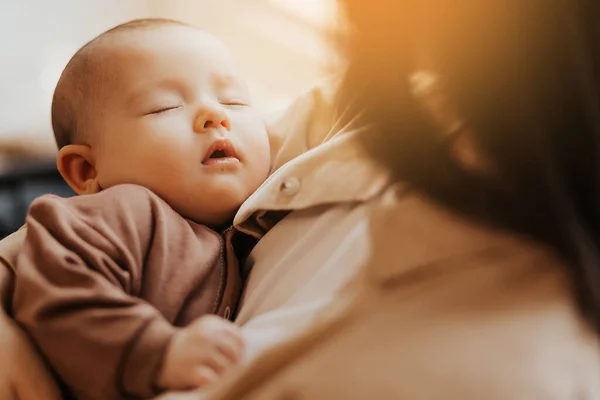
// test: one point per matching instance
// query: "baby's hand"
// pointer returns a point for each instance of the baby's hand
(200, 353)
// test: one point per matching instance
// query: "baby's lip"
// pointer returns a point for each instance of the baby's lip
(220, 150)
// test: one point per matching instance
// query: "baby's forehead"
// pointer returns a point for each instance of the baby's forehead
(166, 50)
(140, 61)
(167, 41)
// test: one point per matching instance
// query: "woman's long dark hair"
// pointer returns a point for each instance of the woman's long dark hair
(525, 77)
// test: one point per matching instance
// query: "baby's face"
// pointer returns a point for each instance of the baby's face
(179, 122)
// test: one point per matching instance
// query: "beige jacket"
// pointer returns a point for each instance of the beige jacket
(445, 309)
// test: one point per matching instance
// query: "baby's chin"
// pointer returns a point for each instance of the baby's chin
(216, 215)
(217, 220)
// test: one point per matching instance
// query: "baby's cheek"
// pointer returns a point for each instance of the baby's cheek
(262, 158)
(258, 143)
(113, 170)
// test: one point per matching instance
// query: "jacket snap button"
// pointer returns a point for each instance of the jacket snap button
(290, 186)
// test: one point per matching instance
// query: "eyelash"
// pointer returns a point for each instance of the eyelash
(234, 104)
(164, 109)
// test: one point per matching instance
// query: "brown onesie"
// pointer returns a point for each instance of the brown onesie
(104, 280)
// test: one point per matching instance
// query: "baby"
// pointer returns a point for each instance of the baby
(120, 285)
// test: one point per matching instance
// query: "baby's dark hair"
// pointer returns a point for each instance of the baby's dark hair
(82, 81)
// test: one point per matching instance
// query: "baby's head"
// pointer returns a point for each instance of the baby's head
(160, 104)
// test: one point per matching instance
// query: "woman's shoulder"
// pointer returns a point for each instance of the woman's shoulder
(414, 231)
(490, 303)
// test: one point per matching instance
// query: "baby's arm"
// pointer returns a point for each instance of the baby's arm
(77, 281)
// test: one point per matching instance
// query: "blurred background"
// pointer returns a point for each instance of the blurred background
(283, 47)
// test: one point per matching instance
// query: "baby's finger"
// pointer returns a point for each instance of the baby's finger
(202, 376)
(231, 347)
(218, 362)
(213, 325)
(235, 335)
(228, 327)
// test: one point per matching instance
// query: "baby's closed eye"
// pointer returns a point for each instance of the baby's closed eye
(163, 108)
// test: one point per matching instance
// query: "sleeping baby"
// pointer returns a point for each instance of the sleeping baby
(127, 289)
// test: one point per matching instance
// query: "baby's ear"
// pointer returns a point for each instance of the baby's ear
(76, 164)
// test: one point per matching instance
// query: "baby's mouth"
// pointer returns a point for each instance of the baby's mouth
(220, 151)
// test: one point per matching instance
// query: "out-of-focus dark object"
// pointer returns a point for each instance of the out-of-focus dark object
(22, 179)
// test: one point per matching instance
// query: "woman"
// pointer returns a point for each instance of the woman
(489, 306)
(484, 277)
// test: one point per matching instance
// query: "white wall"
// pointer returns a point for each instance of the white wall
(37, 38)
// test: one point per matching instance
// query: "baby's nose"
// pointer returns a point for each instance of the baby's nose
(209, 118)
